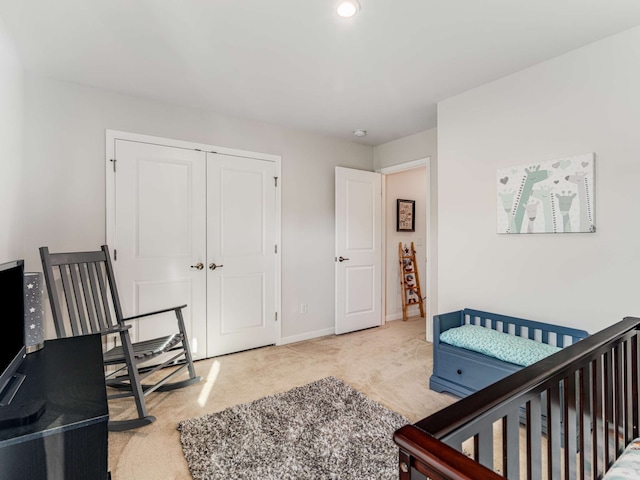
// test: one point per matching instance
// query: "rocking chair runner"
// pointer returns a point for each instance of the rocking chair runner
(84, 277)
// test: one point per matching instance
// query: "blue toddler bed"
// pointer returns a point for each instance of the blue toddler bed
(473, 349)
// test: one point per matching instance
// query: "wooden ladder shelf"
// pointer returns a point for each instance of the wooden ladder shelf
(409, 280)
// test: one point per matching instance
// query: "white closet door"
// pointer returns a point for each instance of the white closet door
(241, 263)
(160, 232)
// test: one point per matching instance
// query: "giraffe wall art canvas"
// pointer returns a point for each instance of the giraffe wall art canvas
(556, 196)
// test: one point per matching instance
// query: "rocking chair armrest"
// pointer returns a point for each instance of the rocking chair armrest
(115, 329)
(173, 309)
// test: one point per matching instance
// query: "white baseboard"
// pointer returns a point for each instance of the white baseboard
(307, 336)
(398, 316)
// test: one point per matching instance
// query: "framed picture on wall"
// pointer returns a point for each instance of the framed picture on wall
(406, 215)
(554, 196)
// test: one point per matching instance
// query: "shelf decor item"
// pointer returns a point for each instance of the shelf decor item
(409, 280)
(406, 215)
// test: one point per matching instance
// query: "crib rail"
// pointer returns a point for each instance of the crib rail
(542, 332)
(586, 395)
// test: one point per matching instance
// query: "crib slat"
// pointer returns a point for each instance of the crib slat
(484, 446)
(617, 399)
(635, 371)
(511, 445)
(553, 432)
(585, 421)
(608, 408)
(628, 381)
(534, 439)
(570, 420)
(596, 412)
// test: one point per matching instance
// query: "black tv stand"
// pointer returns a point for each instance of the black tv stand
(69, 439)
(18, 410)
(10, 390)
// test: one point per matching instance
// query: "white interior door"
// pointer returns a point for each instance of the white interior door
(160, 233)
(241, 246)
(358, 250)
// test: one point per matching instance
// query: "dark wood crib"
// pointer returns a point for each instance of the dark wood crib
(586, 394)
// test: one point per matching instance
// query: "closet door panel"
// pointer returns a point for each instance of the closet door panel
(160, 232)
(241, 238)
(171, 207)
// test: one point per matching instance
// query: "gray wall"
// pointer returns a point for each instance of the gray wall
(11, 188)
(65, 169)
(585, 101)
(414, 147)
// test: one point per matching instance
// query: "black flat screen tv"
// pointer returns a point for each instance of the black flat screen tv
(12, 344)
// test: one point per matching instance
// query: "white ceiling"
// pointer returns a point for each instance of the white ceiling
(295, 62)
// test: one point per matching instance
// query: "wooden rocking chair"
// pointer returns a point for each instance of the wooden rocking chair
(85, 278)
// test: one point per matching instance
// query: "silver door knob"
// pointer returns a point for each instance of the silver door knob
(198, 266)
(213, 266)
(342, 259)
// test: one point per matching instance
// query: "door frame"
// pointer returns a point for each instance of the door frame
(430, 272)
(113, 135)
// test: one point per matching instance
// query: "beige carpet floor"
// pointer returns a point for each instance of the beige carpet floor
(390, 364)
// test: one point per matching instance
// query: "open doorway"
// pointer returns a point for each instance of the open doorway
(407, 181)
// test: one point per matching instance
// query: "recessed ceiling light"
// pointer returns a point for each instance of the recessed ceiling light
(360, 133)
(348, 8)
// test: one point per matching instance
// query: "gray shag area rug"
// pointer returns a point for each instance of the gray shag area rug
(323, 430)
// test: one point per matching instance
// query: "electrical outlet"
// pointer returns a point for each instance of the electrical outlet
(303, 308)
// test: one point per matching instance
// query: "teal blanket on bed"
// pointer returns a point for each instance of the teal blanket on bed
(503, 346)
(627, 467)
